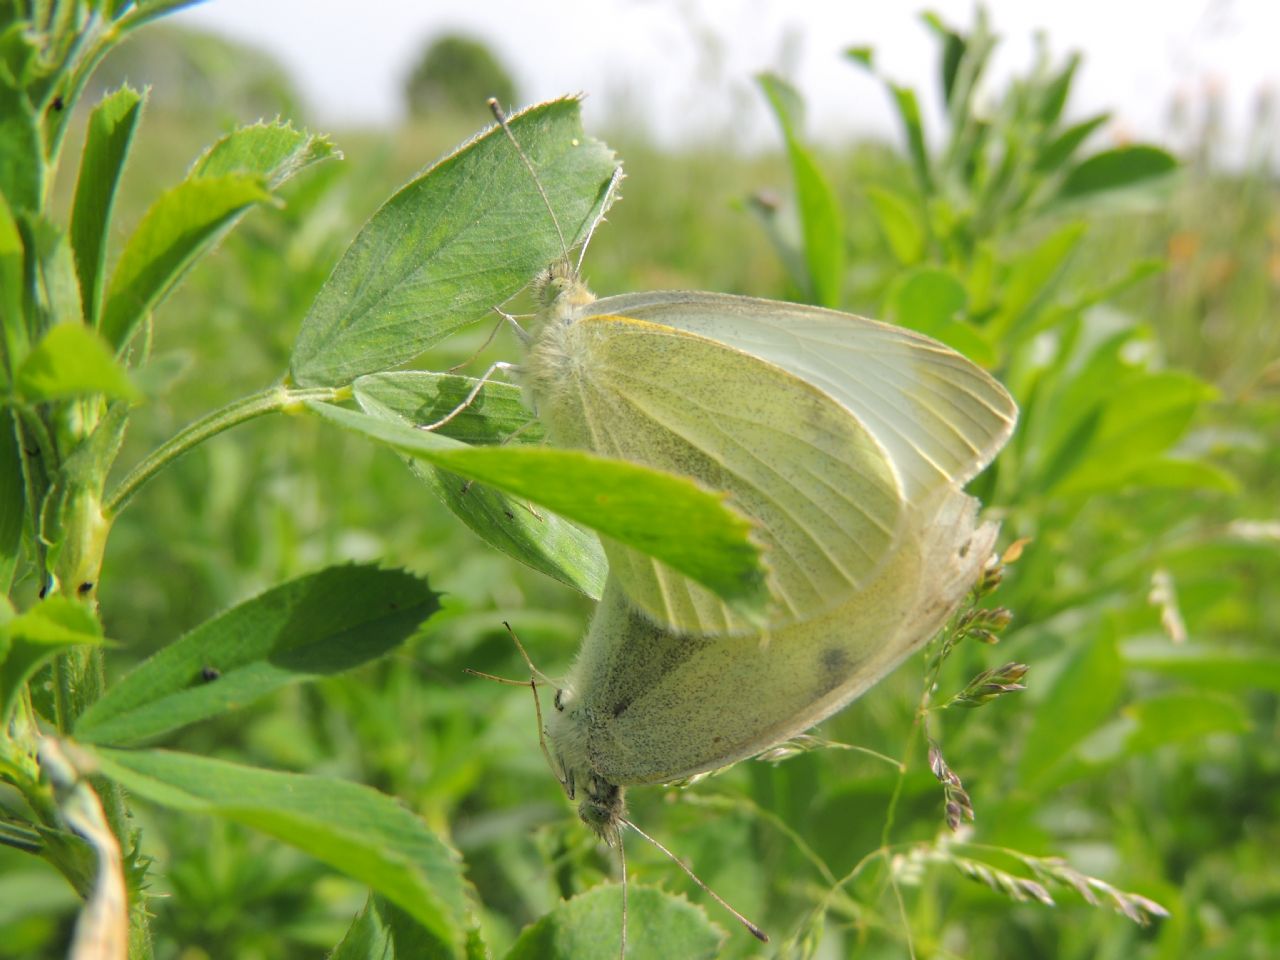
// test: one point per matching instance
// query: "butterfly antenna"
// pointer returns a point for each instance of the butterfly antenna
(498, 114)
(534, 674)
(751, 927)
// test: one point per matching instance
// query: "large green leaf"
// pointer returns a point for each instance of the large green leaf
(355, 829)
(452, 244)
(546, 542)
(106, 147)
(589, 927)
(316, 625)
(667, 517)
(181, 226)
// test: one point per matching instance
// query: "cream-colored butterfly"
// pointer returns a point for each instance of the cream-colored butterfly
(846, 441)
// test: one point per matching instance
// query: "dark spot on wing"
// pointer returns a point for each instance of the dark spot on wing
(833, 667)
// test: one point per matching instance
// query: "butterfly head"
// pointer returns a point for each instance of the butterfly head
(560, 292)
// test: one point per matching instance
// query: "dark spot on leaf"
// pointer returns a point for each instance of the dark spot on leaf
(209, 674)
(86, 587)
(58, 102)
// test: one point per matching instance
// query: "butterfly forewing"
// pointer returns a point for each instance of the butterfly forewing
(825, 500)
(940, 417)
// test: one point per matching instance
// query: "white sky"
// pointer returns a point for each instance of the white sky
(684, 68)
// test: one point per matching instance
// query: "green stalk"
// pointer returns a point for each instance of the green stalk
(274, 399)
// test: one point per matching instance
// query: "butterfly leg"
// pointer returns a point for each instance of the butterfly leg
(499, 366)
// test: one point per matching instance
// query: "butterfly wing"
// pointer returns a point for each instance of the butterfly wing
(643, 705)
(940, 417)
(824, 498)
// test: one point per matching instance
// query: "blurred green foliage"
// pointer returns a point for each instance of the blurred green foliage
(1135, 325)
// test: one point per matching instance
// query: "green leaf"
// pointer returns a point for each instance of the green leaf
(1183, 716)
(670, 518)
(589, 927)
(452, 244)
(927, 299)
(1143, 416)
(69, 361)
(22, 170)
(1059, 150)
(901, 224)
(106, 147)
(1083, 696)
(1054, 95)
(363, 833)
(908, 107)
(862, 56)
(1032, 279)
(1206, 667)
(1170, 473)
(54, 288)
(13, 321)
(1113, 169)
(274, 151)
(382, 931)
(546, 542)
(27, 640)
(933, 301)
(314, 626)
(816, 201)
(13, 500)
(179, 228)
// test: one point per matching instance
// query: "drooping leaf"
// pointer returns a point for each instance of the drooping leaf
(668, 517)
(544, 541)
(314, 626)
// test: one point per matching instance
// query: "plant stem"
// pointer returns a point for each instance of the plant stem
(272, 400)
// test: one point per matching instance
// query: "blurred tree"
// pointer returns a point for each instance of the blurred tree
(456, 73)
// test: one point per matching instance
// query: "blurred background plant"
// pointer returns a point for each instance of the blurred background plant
(1131, 308)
